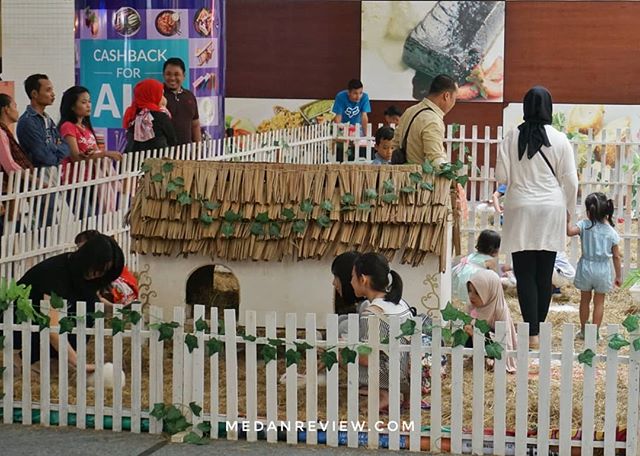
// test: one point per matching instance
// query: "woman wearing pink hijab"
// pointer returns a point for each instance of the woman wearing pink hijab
(487, 303)
(148, 127)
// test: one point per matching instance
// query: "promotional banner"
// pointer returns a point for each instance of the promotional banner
(405, 44)
(120, 43)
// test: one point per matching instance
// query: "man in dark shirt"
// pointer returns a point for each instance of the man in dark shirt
(36, 131)
(181, 103)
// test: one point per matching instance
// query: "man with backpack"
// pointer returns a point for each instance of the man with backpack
(421, 132)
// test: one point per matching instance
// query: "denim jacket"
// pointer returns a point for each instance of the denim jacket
(40, 139)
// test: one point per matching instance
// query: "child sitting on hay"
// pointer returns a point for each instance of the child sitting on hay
(486, 302)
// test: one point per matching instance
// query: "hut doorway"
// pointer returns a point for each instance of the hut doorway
(213, 286)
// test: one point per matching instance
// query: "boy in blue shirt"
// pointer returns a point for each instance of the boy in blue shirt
(352, 105)
(384, 148)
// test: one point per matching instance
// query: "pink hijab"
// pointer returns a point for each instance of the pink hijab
(487, 283)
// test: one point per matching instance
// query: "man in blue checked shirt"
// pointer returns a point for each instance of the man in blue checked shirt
(36, 131)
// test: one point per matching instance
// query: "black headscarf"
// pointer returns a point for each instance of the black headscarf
(538, 112)
(342, 267)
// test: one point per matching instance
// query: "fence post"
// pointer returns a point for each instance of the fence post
(231, 364)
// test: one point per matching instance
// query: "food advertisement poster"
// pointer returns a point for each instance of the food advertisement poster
(119, 43)
(258, 115)
(607, 123)
(405, 44)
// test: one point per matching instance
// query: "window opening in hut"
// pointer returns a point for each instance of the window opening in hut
(213, 286)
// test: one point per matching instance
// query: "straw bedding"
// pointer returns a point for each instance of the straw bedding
(406, 229)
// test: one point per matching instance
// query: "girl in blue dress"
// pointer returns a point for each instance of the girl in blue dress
(594, 275)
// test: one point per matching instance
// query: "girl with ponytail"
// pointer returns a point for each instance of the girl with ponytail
(599, 245)
(381, 287)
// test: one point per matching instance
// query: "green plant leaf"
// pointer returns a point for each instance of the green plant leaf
(227, 229)
(447, 336)
(457, 165)
(292, 356)
(275, 342)
(269, 353)
(117, 325)
(210, 205)
(257, 229)
(636, 344)
(167, 167)
(158, 411)
(231, 216)
(96, 315)
(195, 408)
(426, 186)
(416, 178)
(460, 337)
(204, 427)
(364, 350)
(191, 342)
(274, 230)
(249, 338)
(483, 326)
(348, 356)
(67, 324)
(617, 341)
(56, 301)
(145, 168)
(44, 321)
(206, 219)
(348, 199)
(427, 167)
(159, 177)
(364, 206)
(408, 189)
(171, 187)
(388, 186)
(184, 199)
(326, 205)
(262, 217)
(302, 346)
(202, 325)
(306, 206)
(370, 194)
(213, 346)
(408, 328)
(494, 350)
(465, 318)
(631, 323)
(166, 330)
(194, 439)
(288, 214)
(586, 357)
(178, 181)
(324, 221)
(462, 180)
(299, 226)
(328, 358)
(450, 313)
(389, 198)
(131, 316)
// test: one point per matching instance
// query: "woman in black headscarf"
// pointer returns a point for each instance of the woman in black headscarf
(537, 164)
(74, 277)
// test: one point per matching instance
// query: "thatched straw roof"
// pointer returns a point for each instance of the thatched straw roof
(264, 211)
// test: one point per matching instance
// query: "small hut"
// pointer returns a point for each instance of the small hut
(277, 227)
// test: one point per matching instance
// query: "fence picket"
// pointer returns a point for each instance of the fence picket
(8, 362)
(214, 373)
(544, 388)
(81, 366)
(117, 380)
(98, 383)
(136, 372)
(457, 379)
(566, 389)
(477, 419)
(178, 357)
(198, 364)
(231, 364)
(611, 396)
(589, 392)
(499, 392)
(415, 390)
(332, 383)
(312, 378)
(353, 382)
(436, 388)
(373, 380)
(394, 382)
(25, 328)
(63, 365)
(292, 381)
(522, 388)
(45, 370)
(272, 381)
(633, 400)
(156, 351)
(252, 376)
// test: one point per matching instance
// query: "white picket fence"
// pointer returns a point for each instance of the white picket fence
(168, 373)
(102, 202)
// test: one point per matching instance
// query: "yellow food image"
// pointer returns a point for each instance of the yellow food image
(583, 118)
(283, 118)
(611, 135)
